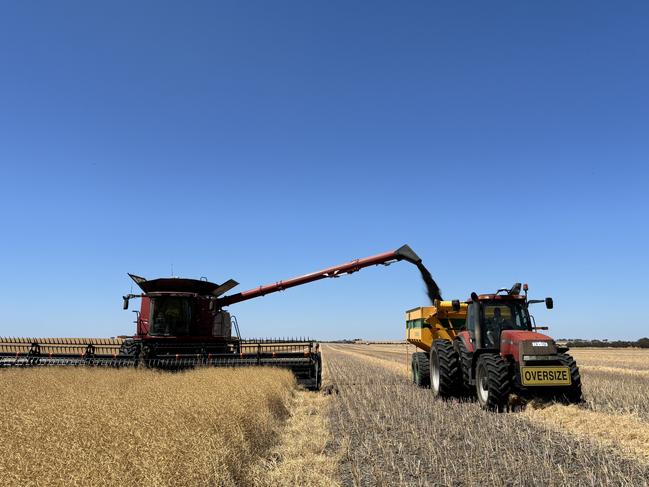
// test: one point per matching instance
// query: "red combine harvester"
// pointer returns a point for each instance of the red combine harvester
(183, 323)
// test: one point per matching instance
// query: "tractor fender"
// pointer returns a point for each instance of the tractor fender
(465, 339)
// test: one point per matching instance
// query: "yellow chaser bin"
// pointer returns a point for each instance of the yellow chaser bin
(440, 322)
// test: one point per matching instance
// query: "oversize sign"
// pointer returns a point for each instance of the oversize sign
(545, 376)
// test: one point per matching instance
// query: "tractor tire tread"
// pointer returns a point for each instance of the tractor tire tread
(465, 369)
(450, 378)
(420, 369)
(499, 381)
(572, 394)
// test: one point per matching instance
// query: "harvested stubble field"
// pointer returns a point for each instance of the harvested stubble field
(138, 427)
(255, 427)
(392, 433)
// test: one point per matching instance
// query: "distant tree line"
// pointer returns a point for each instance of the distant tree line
(570, 342)
(578, 342)
(346, 340)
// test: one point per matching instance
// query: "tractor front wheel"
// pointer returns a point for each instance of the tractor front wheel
(493, 382)
(420, 369)
(571, 394)
(445, 375)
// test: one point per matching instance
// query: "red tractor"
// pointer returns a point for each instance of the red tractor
(489, 347)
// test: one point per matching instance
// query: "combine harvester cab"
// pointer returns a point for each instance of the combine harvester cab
(489, 347)
(183, 323)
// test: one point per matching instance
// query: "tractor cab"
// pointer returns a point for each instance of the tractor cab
(489, 316)
(501, 316)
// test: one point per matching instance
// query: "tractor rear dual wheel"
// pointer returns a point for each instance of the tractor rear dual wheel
(420, 369)
(464, 355)
(493, 382)
(445, 372)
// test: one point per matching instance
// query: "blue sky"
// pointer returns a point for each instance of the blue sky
(504, 141)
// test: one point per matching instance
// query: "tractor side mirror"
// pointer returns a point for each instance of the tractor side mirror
(125, 306)
(549, 303)
(456, 305)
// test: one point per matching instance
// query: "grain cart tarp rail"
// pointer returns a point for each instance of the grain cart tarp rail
(183, 323)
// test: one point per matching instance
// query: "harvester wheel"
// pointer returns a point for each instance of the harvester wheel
(420, 369)
(493, 382)
(571, 394)
(445, 375)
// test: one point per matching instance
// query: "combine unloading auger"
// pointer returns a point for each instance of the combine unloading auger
(182, 323)
(402, 253)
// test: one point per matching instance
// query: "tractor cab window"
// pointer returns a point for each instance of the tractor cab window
(471, 320)
(172, 316)
(502, 315)
(507, 316)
